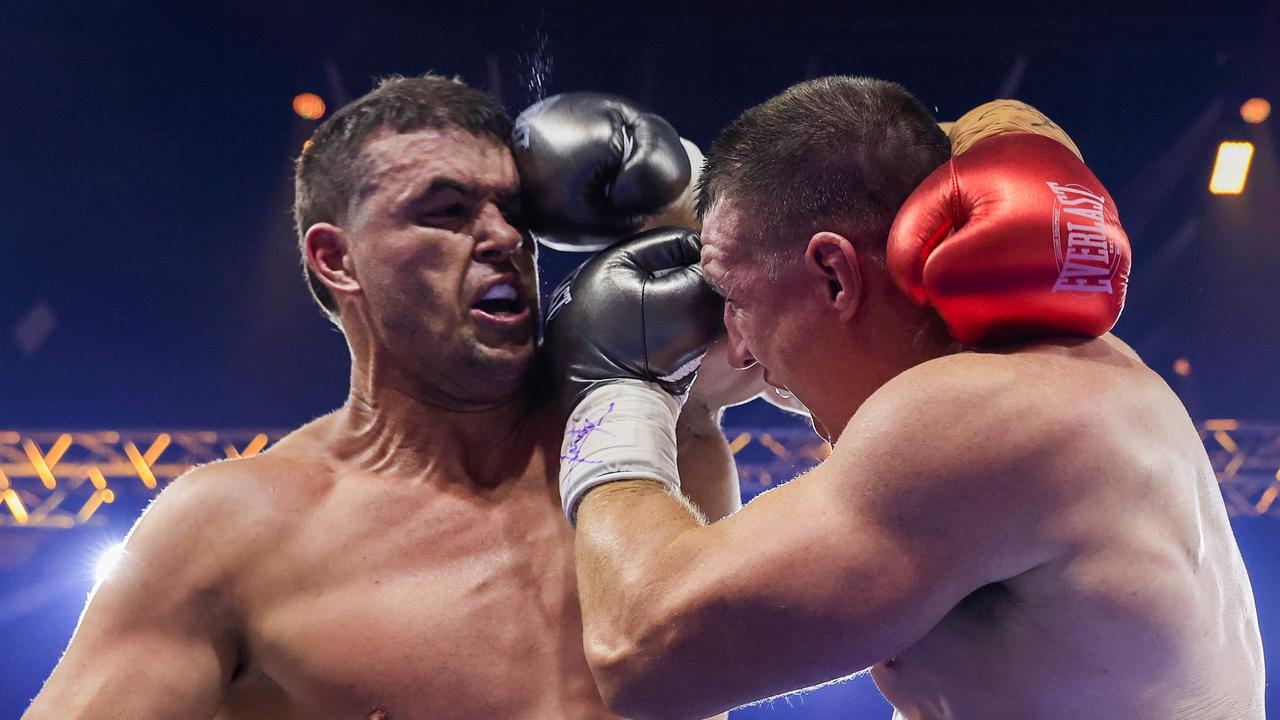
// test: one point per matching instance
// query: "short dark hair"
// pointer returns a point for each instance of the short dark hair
(838, 152)
(329, 172)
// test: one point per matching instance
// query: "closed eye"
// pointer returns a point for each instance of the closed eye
(513, 213)
(446, 215)
(716, 287)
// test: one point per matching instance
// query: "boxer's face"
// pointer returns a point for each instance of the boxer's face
(769, 322)
(448, 285)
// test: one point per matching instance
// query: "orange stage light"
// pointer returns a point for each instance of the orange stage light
(308, 106)
(1255, 110)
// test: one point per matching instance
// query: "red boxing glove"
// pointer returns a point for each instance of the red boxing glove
(1013, 240)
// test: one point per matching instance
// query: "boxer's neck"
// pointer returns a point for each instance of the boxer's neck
(906, 336)
(396, 432)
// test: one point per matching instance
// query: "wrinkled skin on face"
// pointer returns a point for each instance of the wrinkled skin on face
(436, 228)
(772, 324)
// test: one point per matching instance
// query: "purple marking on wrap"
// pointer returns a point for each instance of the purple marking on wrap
(580, 431)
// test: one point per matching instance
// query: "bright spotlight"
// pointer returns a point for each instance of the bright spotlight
(107, 562)
(1231, 169)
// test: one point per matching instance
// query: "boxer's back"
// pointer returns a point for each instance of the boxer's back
(1149, 614)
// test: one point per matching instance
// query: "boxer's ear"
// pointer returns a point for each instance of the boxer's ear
(833, 258)
(328, 255)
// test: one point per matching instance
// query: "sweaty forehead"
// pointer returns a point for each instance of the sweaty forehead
(399, 162)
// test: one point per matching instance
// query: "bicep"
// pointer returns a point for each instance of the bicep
(801, 586)
(115, 669)
(155, 639)
(845, 567)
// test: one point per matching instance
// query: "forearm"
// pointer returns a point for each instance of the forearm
(708, 474)
(634, 552)
(673, 624)
(625, 528)
(625, 541)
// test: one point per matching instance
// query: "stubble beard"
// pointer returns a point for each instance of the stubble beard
(475, 375)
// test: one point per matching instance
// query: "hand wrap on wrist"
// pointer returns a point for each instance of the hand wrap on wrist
(623, 430)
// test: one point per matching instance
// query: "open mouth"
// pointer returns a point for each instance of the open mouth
(500, 307)
(502, 301)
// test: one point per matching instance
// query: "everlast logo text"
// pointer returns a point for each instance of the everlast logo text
(1086, 262)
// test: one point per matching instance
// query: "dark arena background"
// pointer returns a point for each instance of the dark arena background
(153, 315)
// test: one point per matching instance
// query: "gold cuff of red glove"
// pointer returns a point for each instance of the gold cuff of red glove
(1001, 116)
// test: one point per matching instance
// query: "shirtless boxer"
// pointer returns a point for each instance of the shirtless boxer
(404, 556)
(1003, 529)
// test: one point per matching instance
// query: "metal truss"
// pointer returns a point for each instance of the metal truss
(65, 479)
(1246, 457)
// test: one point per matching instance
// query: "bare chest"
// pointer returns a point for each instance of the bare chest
(461, 611)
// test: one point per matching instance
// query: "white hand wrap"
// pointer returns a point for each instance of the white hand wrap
(624, 430)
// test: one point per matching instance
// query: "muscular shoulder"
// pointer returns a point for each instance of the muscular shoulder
(979, 434)
(1028, 404)
(954, 458)
(198, 519)
(207, 522)
(963, 409)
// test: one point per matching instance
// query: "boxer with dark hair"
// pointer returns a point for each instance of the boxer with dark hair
(822, 160)
(1017, 519)
(404, 556)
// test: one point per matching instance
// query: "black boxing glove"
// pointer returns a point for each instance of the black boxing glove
(625, 333)
(594, 167)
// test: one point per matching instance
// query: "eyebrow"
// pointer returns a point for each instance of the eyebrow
(502, 197)
(440, 184)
